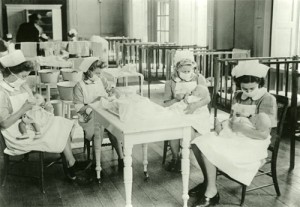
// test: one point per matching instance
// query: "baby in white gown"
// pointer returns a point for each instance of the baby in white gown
(260, 122)
(200, 92)
(35, 118)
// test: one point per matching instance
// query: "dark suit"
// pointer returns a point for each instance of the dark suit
(27, 33)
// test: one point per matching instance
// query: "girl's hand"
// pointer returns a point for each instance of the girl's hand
(179, 96)
(218, 127)
(27, 106)
(48, 107)
(191, 108)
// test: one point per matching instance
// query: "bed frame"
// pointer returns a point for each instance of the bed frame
(115, 48)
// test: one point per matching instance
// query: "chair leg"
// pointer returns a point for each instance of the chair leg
(5, 169)
(274, 174)
(166, 143)
(87, 145)
(41, 155)
(244, 187)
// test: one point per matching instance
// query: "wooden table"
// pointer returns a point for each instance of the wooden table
(116, 73)
(144, 131)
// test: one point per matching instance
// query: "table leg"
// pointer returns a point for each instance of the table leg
(128, 173)
(185, 164)
(97, 148)
(145, 161)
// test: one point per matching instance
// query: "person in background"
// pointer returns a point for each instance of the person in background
(184, 81)
(44, 38)
(241, 151)
(29, 31)
(14, 103)
(72, 35)
(9, 42)
(93, 87)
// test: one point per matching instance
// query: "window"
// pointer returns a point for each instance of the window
(163, 7)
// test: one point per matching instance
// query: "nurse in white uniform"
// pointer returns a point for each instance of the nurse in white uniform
(93, 87)
(14, 95)
(240, 152)
(183, 82)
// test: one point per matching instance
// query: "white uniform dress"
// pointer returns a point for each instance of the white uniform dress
(234, 153)
(196, 119)
(85, 94)
(54, 134)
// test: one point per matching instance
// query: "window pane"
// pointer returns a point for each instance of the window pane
(166, 36)
(167, 8)
(167, 23)
(158, 36)
(158, 23)
(158, 8)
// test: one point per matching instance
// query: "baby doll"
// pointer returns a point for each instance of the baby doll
(39, 113)
(260, 122)
(200, 92)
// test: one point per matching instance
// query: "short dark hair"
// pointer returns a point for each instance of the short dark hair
(33, 17)
(25, 66)
(249, 79)
(97, 64)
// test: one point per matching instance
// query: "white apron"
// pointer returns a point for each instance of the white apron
(235, 154)
(54, 135)
(185, 87)
(90, 93)
(200, 119)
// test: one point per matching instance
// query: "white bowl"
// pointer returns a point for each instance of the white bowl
(49, 76)
(65, 90)
(71, 75)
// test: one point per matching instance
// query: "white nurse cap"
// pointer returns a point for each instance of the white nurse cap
(251, 68)
(86, 63)
(72, 32)
(12, 59)
(183, 55)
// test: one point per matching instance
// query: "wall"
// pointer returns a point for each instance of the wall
(244, 24)
(112, 18)
(223, 24)
(63, 11)
(134, 19)
(79, 17)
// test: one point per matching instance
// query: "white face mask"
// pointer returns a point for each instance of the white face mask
(186, 76)
(17, 83)
(95, 78)
(252, 93)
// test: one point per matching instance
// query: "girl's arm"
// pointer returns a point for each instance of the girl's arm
(194, 106)
(6, 123)
(250, 132)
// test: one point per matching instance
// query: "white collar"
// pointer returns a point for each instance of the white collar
(260, 93)
(6, 86)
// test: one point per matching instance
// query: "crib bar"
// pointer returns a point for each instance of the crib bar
(286, 83)
(294, 112)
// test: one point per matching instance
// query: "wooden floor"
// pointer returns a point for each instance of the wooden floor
(163, 189)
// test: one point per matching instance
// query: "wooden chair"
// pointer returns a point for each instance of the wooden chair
(276, 133)
(87, 144)
(7, 161)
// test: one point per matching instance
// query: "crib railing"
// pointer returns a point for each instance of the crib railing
(115, 48)
(206, 60)
(295, 118)
(130, 52)
(156, 61)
